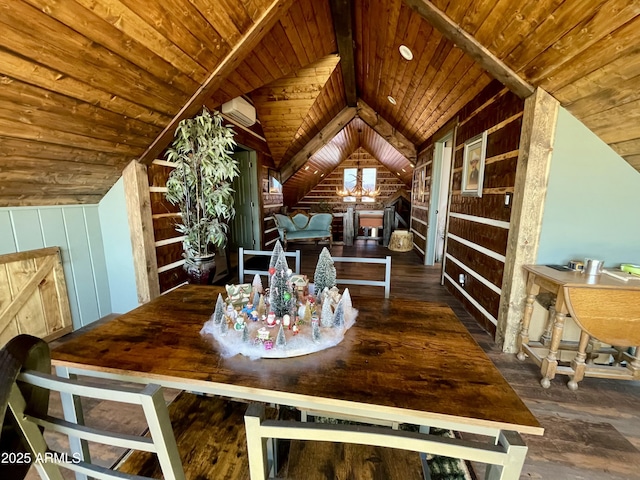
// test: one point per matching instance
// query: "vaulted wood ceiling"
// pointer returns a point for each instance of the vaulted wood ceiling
(88, 85)
(357, 134)
(283, 104)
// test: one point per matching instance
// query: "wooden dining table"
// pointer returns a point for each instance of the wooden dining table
(403, 361)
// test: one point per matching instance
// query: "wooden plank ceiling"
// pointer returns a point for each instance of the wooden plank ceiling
(283, 104)
(86, 86)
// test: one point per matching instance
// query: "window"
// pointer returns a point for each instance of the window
(349, 181)
(350, 178)
(358, 181)
(369, 182)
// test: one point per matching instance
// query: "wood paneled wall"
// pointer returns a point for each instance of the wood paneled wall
(167, 240)
(479, 226)
(271, 203)
(420, 198)
(323, 195)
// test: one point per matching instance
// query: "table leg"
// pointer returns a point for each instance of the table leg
(594, 347)
(635, 363)
(578, 364)
(523, 339)
(272, 456)
(550, 364)
(546, 335)
(72, 410)
(423, 456)
(619, 356)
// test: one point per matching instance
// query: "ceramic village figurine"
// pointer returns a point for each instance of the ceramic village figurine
(231, 313)
(271, 319)
(247, 309)
(263, 334)
(239, 325)
(311, 305)
(286, 320)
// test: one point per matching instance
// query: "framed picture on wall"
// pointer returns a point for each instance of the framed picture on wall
(473, 165)
(274, 182)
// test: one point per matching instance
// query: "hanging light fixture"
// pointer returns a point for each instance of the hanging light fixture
(358, 191)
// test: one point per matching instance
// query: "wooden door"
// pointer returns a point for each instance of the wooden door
(33, 295)
(244, 225)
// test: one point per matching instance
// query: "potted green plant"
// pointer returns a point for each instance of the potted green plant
(201, 185)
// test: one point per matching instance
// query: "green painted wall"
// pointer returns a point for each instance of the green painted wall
(117, 249)
(96, 251)
(76, 230)
(592, 208)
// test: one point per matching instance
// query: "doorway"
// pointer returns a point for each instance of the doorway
(438, 202)
(245, 227)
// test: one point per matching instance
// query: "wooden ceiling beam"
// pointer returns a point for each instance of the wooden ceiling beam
(316, 143)
(25, 200)
(341, 11)
(383, 128)
(469, 45)
(231, 61)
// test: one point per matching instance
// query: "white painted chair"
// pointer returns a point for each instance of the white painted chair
(209, 432)
(504, 459)
(150, 398)
(386, 283)
(242, 253)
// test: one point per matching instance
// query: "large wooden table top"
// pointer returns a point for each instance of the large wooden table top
(404, 360)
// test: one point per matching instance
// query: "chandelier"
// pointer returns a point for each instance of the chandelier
(358, 190)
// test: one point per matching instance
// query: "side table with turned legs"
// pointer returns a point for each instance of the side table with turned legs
(545, 352)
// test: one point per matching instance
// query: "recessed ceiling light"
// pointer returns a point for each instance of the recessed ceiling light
(315, 172)
(307, 167)
(392, 100)
(406, 52)
(322, 174)
(411, 165)
(398, 173)
(404, 170)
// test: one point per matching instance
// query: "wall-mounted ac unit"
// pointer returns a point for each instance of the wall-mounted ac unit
(240, 111)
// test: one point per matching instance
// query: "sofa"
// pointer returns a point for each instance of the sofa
(304, 227)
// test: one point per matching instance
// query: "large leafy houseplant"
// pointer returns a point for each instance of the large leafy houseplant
(201, 183)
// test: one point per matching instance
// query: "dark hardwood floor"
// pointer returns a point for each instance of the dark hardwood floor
(593, 433)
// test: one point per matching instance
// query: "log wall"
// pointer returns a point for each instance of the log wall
(478, 227)
(271, 203)
(420, 198)
(323, 196)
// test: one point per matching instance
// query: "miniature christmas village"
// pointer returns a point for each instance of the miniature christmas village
(291, 317)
